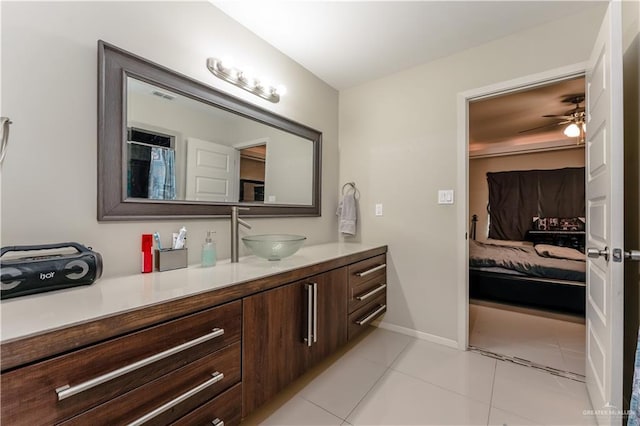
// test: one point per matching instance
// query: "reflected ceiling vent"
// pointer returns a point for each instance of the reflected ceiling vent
(163, 95)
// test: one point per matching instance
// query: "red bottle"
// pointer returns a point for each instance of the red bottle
(147, 253)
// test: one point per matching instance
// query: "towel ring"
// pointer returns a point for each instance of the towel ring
(4, 142)
(351, 186)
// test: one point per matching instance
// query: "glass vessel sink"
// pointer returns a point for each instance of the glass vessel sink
(274, 246)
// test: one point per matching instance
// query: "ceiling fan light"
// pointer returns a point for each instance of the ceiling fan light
(572, 130)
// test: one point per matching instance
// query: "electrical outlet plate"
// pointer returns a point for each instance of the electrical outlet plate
(378, 209)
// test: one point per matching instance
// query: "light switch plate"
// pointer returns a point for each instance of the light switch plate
(378, 209)
(445, 196)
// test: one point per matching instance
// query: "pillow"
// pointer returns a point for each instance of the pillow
(546, 250)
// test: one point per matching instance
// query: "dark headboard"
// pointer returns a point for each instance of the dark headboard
(515, 197)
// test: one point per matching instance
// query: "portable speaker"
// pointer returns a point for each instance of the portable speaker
(26, 273)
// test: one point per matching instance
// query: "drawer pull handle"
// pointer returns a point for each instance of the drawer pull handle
(315, 312)
(217, 422)
(371, 271)
(188, 394)
(372, 292)
(309, 338)
(371, 316)
(66, 391)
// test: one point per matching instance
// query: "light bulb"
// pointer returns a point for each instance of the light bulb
(247, 77)
(226, 62)
(281, 90)
(572, 130)
(265, 84)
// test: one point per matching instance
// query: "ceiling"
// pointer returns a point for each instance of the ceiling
(499, 120)
(347, 43)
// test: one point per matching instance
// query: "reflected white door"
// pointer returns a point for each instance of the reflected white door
(212, 171)
(604, 191)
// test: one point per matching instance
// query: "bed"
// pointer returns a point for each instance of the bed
(535, 251)
(542, 276)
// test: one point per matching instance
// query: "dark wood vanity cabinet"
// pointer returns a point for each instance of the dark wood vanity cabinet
(209, 358)
(288, 329)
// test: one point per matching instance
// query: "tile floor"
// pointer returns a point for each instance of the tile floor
(551, 342)
(387, 378)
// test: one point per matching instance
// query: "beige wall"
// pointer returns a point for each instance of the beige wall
(49, 82)
(478, 168)
(398, 142)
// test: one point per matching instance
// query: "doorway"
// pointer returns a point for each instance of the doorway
(604, 211)
(252, 173)
(526, 246)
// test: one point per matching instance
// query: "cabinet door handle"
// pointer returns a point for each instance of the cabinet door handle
(372, 292)
(371, 271)
(217, 422)
(188, 394)
(371, 316)
(66, 391)
(309, 338)
(315, 312)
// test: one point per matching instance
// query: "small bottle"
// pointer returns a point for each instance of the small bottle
(147, 256)
(208, 251)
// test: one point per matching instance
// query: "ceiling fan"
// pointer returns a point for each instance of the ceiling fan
(575, 119)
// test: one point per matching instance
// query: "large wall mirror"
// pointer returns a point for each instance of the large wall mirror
(170, 146)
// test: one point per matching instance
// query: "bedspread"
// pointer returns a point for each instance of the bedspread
(525, 260)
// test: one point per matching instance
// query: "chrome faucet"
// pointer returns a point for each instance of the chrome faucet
(235, 235)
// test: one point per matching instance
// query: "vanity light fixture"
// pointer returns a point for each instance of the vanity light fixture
(245, 80)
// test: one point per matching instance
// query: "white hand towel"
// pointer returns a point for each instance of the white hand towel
(347, 213)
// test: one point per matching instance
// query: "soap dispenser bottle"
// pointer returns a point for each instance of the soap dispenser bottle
(208, 251)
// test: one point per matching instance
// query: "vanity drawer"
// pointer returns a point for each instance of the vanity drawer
(35, 394)
(362, 317)
(226, 408)
(368, 269)
(171, 396)
(364, 292)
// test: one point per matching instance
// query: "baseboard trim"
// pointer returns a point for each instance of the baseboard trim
(417, 334)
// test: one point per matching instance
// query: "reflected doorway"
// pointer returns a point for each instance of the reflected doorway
(252, 173)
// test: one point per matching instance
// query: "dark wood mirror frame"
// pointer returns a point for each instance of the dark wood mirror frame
(114, 66)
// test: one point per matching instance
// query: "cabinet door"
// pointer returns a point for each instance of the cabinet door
(274, 350)
(331, 318)
(288, 329)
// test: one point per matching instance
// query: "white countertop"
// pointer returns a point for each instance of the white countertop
(35, 314)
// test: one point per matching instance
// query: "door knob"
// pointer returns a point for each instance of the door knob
(632, 255)
(594, 253)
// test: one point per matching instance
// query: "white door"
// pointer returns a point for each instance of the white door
(604, 191)
(212, 171)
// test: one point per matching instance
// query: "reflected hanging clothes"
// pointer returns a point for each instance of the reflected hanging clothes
(634, 409)
(162, 176)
